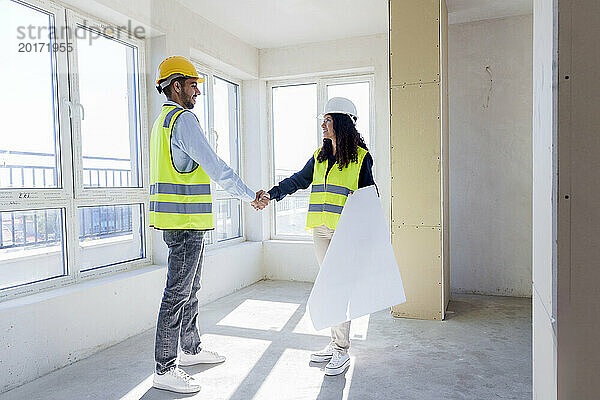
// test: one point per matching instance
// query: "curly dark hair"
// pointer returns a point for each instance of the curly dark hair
(347, 139)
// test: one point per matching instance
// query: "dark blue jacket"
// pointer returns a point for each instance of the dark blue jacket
(303, 178)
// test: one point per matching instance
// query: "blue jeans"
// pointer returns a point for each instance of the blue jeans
(179, 307)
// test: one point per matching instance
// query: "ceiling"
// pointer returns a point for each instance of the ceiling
(278, 23)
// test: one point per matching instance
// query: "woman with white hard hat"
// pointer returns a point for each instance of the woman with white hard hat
(335, 170)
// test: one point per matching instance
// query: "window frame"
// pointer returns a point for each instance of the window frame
(70, 195)
(210, 74)
(322, 82)
(111, 195)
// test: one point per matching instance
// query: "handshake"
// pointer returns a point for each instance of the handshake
(261, 201)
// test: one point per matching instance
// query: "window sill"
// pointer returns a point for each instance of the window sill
(228, 245)
(76, 287)
(225, 244)
(300, 240)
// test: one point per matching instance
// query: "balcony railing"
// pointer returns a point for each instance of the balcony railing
(22, 169)
(41, 228)
(296, 203)
(30, 228)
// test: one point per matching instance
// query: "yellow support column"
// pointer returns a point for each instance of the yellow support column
(419, 154)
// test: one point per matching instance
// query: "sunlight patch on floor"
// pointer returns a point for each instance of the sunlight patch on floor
(138, 391)
(292, 374)
(295, 375)
(242, 354)
(305, 327)
(260, 314)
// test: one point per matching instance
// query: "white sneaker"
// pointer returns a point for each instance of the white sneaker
(338, 364)
(322, 355)
(203, 357)
(176, 380)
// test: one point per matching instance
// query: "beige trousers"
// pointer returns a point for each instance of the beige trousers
(340, 335)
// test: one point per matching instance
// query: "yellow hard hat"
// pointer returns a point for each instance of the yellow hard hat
(175, 67)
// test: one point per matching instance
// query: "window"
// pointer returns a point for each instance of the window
(29, 158)
(360, 94)
(296, 135)
(294, 140)
(109, 145)
(73, 197)
(217, 109)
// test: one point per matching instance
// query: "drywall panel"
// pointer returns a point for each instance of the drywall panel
(414, 41)
(418, 143)
(445, 157)
(491, 179)
(416, 148)
(419, 255)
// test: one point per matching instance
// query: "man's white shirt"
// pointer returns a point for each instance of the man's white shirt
(189, 145)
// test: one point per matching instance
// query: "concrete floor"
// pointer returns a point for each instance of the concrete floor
(482, 351)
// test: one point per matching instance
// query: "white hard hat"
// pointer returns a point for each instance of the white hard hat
(340, 105)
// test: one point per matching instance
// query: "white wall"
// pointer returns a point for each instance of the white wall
(544, 202)
(46, 331)
(490, 156)
(361, 54)
(290, 260)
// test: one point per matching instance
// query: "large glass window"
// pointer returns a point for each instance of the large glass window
(217, 109)
(29, 154)
(72, 195)
(295, 139)
(297, 135)
(109, 235)
(201, 107)
(109, 111)
(228, 209)
(359, 94)
(32, 247)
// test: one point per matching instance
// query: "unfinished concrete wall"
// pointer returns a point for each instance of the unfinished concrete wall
(490, 156)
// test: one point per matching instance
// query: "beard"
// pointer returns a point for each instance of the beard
(187, 101)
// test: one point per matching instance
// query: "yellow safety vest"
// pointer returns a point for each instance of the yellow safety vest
(328, 196)
(178, 200)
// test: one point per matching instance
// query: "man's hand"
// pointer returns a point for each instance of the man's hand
(261, 201)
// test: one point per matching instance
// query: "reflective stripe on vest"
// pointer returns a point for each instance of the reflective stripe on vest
(327, 197)
(178, 200)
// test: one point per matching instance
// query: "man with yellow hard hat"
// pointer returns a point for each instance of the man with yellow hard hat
(182, 165)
